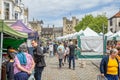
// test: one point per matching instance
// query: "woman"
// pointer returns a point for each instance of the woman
(60, 54)
(109, 66)
(24, 64)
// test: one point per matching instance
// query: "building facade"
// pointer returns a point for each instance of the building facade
(58, 31)
(51, 32)
(114, 23)
(47, 33)
(12, 10)
(68, 25)
(36, 26)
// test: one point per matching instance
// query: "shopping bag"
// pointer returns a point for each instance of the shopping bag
(31, 76)
(99, 77)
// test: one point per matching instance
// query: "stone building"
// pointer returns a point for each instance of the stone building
(51, 32)
(36, 26)
(68, 25)
(12, 10)
(58, 31)
(47, 32)
(114, 23)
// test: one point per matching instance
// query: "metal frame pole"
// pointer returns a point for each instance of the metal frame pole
(103, 39)
(1, 49)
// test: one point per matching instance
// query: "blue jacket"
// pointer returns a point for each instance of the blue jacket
(104, 63)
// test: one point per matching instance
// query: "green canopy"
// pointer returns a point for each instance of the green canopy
(12, 42)
(11, 37)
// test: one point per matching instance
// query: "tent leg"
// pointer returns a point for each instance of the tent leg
(1, 51)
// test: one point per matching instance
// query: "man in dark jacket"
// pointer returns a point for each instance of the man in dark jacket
(72, 55)
(39, 60)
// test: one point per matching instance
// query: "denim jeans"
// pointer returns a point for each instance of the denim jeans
(21, 76)
(60, 63)
(38, 72)
(72, 58)
(111, 77)
(51, 53)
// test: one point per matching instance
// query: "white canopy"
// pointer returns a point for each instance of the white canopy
(89, 32)
(109, 33)
(117, 34)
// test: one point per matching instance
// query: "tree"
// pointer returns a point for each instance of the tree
(95, 23)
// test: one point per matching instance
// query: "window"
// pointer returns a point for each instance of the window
(111, 22)
(6, 11)
(111, 29)
(16, 1)
(16, 16)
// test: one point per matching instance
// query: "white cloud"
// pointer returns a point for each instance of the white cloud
(52, 11)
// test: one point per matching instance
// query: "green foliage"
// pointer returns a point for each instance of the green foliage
(95, 23)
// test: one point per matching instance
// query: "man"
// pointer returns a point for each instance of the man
(72, 55)
(39, 60)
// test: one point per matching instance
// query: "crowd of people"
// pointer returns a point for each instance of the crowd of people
(21, 65)
(65, 52)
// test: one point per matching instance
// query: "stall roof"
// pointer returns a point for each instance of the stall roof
(8, 30)
(89, 32)
(20, 26)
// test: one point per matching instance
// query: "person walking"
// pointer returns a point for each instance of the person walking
(66, 57)
(51, 49)
(72, 48)
(39, 60)
(60, 54)
(109, 66)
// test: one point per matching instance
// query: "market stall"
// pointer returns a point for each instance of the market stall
(8, 37)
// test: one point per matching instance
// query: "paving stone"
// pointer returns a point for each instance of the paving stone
(52, 72)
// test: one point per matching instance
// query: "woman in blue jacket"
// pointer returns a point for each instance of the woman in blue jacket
(109, 66)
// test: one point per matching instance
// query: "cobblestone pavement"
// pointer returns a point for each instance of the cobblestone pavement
(52, 72)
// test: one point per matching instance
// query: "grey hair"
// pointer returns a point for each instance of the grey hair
(113, 51)
(23, 47)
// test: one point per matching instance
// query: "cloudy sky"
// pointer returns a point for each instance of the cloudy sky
(53, 11)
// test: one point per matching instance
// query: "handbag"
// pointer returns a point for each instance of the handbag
(99, 77)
